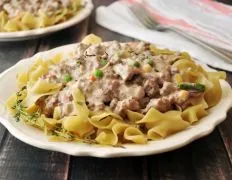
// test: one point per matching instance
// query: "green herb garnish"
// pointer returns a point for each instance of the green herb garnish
(192, 86)
(136, 64)
(22, 114)
(67, 78)
(150, 62)
(103, 62)
(80, 103)
(98, 73)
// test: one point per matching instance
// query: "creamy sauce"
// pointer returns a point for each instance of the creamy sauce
(123, 84)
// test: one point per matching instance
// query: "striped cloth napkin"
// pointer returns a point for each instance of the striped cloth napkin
(207, 20)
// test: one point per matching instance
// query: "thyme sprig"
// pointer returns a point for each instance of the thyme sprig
(62, 133)
(33, 119)
(21, 113)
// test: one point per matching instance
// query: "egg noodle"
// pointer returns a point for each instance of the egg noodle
(27, 20)
(106, 127)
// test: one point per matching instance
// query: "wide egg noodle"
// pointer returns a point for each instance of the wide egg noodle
(91, 39)
(184, 64)
(39, 89)
(50, 123)
(105, 120)
(194, 113)
(57, 113)
(214, 94)
(158, 51)
(77, 124)
(161, 125)
(135, 135)
(61, 16)
(43, 20)
(199, 100)
(217, 74)
(79, 103)
(190, 72)
(38, 72)
(104, 123)
(107, 137)
(29, 20)
(22, 79)
(110, 125)
(11, 101)
(127, 132)
(55, 59)
(134, 116)
(3, 20)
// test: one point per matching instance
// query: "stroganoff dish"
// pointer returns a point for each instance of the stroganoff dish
(17, 15)
(114, 93)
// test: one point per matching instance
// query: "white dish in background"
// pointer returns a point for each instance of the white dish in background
(35, 137)
(35, 33)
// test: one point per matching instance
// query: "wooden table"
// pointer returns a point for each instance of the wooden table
(207, 158)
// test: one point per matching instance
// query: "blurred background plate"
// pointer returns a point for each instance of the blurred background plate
(35, 33)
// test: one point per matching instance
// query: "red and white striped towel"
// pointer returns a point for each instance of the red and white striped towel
(204, 19)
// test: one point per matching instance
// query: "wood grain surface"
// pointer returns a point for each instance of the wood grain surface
(207, 158)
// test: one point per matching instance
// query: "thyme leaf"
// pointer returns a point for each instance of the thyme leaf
(21, 113)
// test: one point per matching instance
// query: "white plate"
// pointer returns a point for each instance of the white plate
(35, 137)
(35, 33)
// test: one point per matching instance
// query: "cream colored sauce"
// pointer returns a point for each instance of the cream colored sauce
(123, 85)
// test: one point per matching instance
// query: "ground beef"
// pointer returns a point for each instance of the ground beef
(151, 86)
(130, 104)
(168, 88)
(124, 84)
(161, 104)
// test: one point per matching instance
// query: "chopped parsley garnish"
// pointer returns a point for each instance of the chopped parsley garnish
(150, 62)
(103, 62)
(192, 86)
(98, 73)
(67, 78)
(136, 64)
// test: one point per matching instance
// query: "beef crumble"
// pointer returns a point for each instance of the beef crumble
(119, 76)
